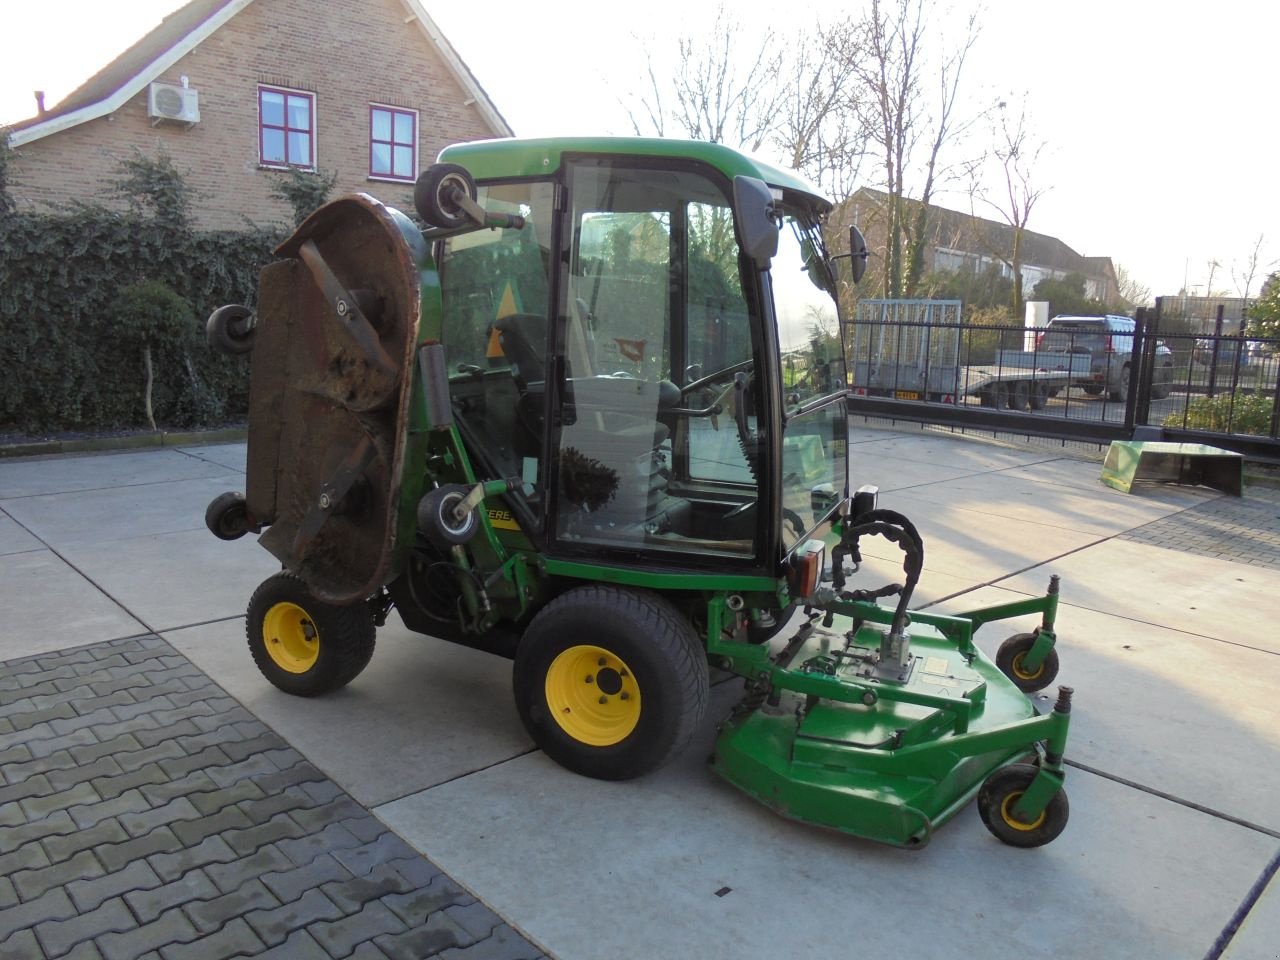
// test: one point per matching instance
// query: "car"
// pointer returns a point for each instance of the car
(1109, 342)
(1228, 348)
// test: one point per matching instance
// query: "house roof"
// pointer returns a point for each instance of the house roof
(179, 33)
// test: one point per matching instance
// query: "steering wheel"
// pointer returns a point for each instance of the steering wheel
(717, 376)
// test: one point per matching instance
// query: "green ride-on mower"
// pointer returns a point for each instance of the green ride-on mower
(586, 419)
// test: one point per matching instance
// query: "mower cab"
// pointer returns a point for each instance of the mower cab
(593, 418)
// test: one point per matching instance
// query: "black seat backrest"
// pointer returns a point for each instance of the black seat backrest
(524, 340)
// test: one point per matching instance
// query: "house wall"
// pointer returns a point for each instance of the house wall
(348, 54)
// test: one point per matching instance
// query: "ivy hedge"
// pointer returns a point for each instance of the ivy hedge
(73, 352)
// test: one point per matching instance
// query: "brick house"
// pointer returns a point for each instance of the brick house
(236, 91)
(961, 241)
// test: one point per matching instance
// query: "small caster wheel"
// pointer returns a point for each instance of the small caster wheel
(230, 329)
(436, 517)
(433, 195)
(227, 517)
(999, 795)
(1009, 659)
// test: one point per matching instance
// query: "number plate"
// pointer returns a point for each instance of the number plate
(906, 395)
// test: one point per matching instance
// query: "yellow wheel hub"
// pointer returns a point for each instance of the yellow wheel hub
(593, 695)
(1006, 811)
(292, 640)
(1023, 674)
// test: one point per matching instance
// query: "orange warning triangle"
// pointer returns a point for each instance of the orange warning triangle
(507, 306)
(494, 349)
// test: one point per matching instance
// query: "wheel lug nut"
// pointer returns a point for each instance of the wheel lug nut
(590, 680)
(604, 699)
(626, 696)
(601, 662)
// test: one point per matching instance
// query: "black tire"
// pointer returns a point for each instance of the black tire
(431, 195)
(229, 329)
(1020, 395)
(1000, 396)
(436, 520)
(1092, 389)
(226, 516)
(1009, 660)
(282, 612)
(1118, 396)
(1000, 792)
(651, 685)
(1054, 391)
(1039, 396)
(1160, 391)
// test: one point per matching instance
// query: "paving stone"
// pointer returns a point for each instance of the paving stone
(365, 857)
(135, 725)
(11, 692)
(475, 918)
(116, 746)
(353, 893)
(211, 801)
(11, 815)
(29, 856)
(36, 807)
(15, 773)
(339, 937)
(118, 698)
(419, 905)
(279, 827)
(288, 885)
(366, 827)
(24, 946)
(230, 713)
(28, 719)
(417, 870)
(209, 915)
(32, 786)
(180, 767)
(86, 950)
(32, 883)
(210, 850)
(51, 744)
(88, 894)
(503, 944)
(169, 928)
(109, 787)
(265, 741)
(439, 933)
(164, 750)
(256, 766)
(291, 801)
(87, 815)
(54, 905)
(157, 734)
(105, 831)
(116, 855)
(284, 758)
(331, 839)
(197, 741)
(8, 895)
(278, 780)
(339, 810)
(147, 820)
(79, 721)
(300, 946)
(230, 876)
(102, 767)
(236, 939)
(161, 793)
(15, 754)
(275, 926)
(59, 936)
(191, 832)
(192, 885)
(11, 838)
(322, 792)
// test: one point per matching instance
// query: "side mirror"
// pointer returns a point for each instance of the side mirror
(857, 252)
(757, 229)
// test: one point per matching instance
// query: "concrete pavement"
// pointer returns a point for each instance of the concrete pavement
(471, 843)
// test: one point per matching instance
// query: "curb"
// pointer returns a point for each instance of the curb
(137, 441)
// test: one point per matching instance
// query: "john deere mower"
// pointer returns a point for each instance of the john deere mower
(588, 419)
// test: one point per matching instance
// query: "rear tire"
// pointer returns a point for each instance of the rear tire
(1040, 395)
(1020, 395)
(609, 682)
(305, 646)
(1118, 396)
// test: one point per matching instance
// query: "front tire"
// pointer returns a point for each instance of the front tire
(610, 683)
(1009, 660)
(305, 646)
(999, 795)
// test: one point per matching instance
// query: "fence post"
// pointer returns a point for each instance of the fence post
(1146, 328)
(1213, 354)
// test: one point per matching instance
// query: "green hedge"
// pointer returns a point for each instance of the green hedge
(68, 360)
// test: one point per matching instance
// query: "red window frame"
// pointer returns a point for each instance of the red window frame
(411, 143)
(286, 129)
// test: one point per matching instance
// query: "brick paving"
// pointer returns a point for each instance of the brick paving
(145, 814)
(1244, 529)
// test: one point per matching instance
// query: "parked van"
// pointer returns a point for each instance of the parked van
(1109, 342)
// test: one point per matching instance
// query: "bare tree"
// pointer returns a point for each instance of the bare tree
(1133, 292)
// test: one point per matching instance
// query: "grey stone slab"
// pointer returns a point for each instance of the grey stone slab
(49, 606)
(1259, 935)
(1133, 875)
(969, 453)
(175, 579)
(1216, 598)
(14, 539)
(64, 474)
(436, 710)
(230, 455)
(893, 473)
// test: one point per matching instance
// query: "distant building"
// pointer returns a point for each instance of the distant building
(960, 241)
(1200, 314)
(236, 91)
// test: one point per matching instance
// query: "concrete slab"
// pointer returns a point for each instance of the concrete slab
(95, 516)
(27, 478)
(230, 455)
(176, 579)
(1084, 475)
(49, 606)
(555, 853)
(1175, 712)
(422, 713)
(894, 473)
(1259, 935)
(14, 539)
(1236, 602)
(953, 452)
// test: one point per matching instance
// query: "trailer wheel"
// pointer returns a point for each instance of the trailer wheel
(433, 195)
(1020, 395)
(1000, 395)
(1009, 660)
(997, 798)
(611, 683)
(1092, 389)
(227, 517)
(1039, 396)
(305, 646)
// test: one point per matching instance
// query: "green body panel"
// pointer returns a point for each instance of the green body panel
(1189, 463)
(512, 159)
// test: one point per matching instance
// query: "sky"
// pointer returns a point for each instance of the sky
(1158, 154)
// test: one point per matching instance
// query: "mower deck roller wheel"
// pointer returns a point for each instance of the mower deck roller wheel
(303, 645)
(433, 195)
(437, 521)
(998, 797)
(610, 682)
(229, 330)
(1009, 658)
(226, 516)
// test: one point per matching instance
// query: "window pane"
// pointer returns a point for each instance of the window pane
(404, 162)
(300, 113)
(272, 146)
(272, 108)
(404, 128)
(381, 160)
(381, 125)
(300, 149)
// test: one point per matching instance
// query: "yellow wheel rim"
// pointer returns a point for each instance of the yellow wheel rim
(1025, 674)
(292, 641)
(1006, 811)
(593, 695)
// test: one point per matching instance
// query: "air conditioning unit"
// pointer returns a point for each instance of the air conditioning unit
(169, 101)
